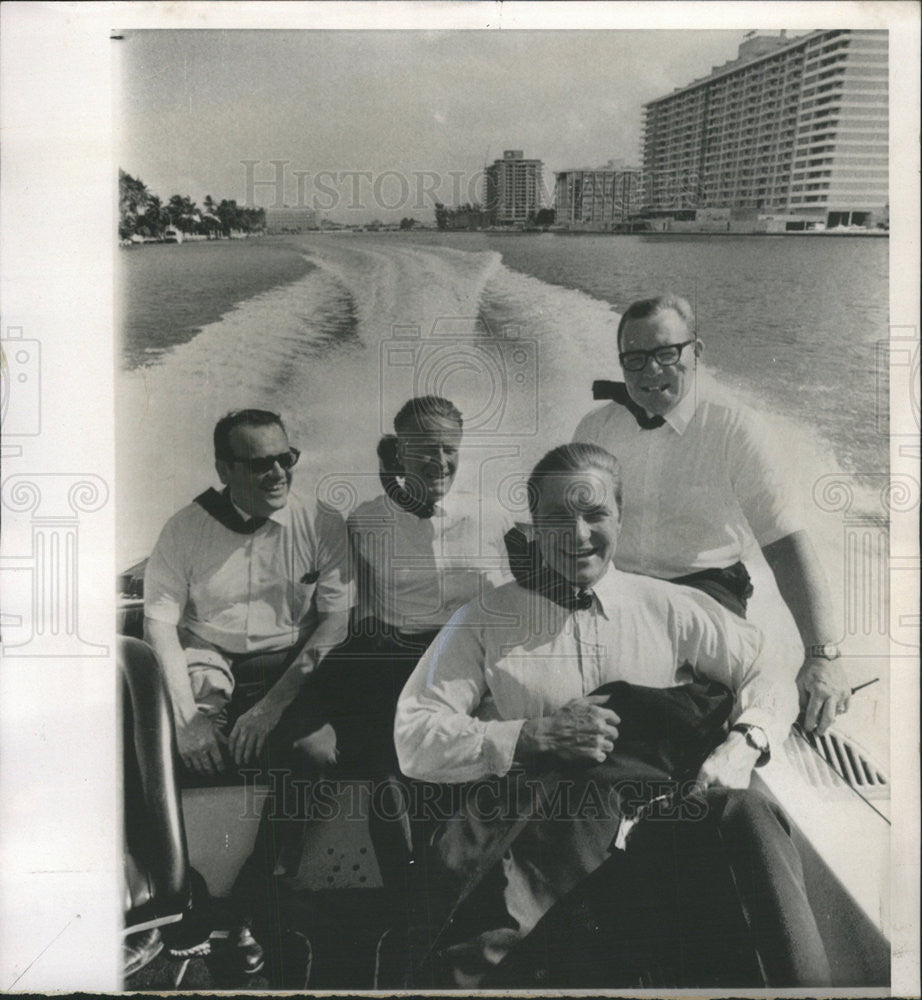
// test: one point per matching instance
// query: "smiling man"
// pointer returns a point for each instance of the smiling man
(245, 592)
(702, 480)
(517, 692)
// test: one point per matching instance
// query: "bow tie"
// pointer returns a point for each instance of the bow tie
(584, 598)
(620, 395)
(555, 588)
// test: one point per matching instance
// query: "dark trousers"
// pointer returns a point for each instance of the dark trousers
(279, 767)
(346, 712)
(716, 901)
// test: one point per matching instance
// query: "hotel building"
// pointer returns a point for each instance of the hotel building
(513, 191)
(601, 198)
(792, 127)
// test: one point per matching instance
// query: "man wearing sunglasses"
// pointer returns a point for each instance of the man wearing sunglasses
(701, 480)
(245, 592)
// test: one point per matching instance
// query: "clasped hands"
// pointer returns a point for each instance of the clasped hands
(200, 741)
(584, 730)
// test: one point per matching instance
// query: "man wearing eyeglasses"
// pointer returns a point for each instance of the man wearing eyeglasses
(700, 481)
(245, 592)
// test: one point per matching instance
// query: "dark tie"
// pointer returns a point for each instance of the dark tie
(584, 599)
(620, 395)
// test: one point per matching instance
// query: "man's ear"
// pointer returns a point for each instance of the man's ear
(222, 469)
(699, 348)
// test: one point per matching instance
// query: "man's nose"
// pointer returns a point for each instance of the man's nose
(582, 529)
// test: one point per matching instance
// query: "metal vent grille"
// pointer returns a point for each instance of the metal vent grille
(849, 761)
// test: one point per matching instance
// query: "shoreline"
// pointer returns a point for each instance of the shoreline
(261, 266)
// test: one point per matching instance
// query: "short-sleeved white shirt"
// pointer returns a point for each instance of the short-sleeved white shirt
(698, 489)
(249, 592)
(415, 572)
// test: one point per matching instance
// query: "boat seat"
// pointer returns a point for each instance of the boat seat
(157, 878)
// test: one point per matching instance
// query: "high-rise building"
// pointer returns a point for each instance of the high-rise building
(600, 198)
(513, 188)
(291, 220)
(794, 126)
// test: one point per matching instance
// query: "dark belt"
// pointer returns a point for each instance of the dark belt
(730, 586)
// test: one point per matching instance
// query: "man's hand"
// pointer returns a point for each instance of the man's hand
(730, 765)
(581, 730)
(248, 737)
(197, 741)
(824, 692)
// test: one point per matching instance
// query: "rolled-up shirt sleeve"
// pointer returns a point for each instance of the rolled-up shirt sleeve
(736, 653)
(436, 731)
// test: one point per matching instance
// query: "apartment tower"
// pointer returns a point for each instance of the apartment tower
(513, 192)
(599, 198)
(791, 126)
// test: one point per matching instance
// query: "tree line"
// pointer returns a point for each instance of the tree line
(142, 213)
(475, 216)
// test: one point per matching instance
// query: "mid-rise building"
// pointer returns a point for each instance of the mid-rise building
(598, 198)
(793, 126)
(291, 220)
(513, 194)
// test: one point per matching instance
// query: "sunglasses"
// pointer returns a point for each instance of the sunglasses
(260, 466)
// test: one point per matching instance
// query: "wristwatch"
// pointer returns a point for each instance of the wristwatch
(756, 738)
(825, 651)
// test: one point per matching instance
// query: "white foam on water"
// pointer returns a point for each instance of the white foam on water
(277, 351)
(338, 351)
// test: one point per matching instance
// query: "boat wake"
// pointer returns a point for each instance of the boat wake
(376, 321)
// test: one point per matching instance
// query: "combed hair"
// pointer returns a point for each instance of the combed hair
(240, 418)
(575, 457)
(409, 421)
(415, 412)
(643, 308)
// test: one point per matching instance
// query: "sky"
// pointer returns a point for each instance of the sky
(380, 124)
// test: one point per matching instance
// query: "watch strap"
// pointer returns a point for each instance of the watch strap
(824, 651)
(761, 745)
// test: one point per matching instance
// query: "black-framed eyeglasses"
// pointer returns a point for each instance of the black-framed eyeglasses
(260, 466)
(668, 355)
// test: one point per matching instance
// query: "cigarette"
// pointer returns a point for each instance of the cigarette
(866, 684)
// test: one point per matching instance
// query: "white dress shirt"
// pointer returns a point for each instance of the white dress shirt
(461, 711)
(699, 488)
(249, 592)
(415, 572)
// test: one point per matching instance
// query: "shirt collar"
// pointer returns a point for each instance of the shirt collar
(682, 414)
(281, 516)
(605, 591)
